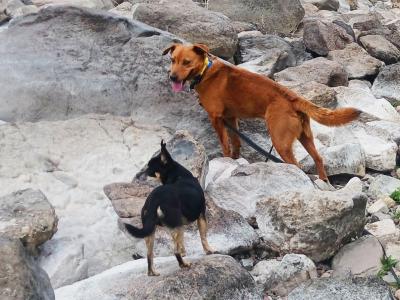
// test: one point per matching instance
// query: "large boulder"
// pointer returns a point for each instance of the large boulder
(210, 277)
(272, 16)
(338, 289)
(312, 222)
(246, 185)
(383, 185)
(281, 277)
(387, 83)
(71, 161)
(379, 47)
(324, 4)
(319, 69)
(21, 277)
(28, 216)
(317, 93)
(193, 23)
(322, 36)
(356, 61)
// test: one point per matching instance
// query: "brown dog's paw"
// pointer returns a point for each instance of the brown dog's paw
(153, 273)
(185, 265)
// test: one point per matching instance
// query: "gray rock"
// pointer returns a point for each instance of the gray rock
(125, 9)
(272, 16)
(317, 93)
(312, 222)
(318, 69)
(379, 47)
(346, 158)
(383, 185)
(281, 277)
(210, 277)
(362, 258)
(325, 4)
(323, 36)
(249, 184)
(98, 4)
(387, 83)
(391, 127)
(21, 277)
(191, 22)
(3, 16)
(356, 61)
(339, 289)
(385, 230)
(28, 216)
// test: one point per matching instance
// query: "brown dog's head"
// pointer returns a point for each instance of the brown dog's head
(187, 61)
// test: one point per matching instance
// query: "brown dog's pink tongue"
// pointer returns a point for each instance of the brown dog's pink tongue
(177, 86)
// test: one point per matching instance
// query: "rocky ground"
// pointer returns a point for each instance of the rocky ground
(85, 101)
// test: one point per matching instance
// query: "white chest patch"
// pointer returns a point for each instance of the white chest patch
(160, 214)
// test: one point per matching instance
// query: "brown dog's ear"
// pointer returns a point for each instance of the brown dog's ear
(169, 49)
(200, 49)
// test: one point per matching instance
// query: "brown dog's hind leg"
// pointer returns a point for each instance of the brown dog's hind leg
(218, 124)
(202, 224)
(177, 238)
(150, 255)
(235, 140)
(307, 140)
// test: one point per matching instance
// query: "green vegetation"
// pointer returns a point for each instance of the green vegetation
(396, 195)
(397, 215)
(386, 265)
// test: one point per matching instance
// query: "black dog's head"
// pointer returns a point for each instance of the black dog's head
(158, 166)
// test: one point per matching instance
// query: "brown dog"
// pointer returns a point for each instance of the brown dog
(228, 93)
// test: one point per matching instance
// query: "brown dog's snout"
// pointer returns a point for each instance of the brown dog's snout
(173, 77)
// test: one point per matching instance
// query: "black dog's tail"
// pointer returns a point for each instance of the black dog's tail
(148, 228)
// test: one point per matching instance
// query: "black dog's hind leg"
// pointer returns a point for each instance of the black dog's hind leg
(150, 255)
(177, 237)
(202, 224)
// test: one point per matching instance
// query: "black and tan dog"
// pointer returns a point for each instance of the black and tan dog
(179, 201)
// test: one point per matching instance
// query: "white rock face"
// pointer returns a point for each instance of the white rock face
(361, 257)
(70, 162)
(384, 230)
(281, 277)
(249, 184)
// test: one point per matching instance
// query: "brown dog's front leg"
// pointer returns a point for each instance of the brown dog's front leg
(218, 124)
(235, 140)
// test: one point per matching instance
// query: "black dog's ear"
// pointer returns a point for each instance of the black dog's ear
(201, 49)
(165, 157)
(169, 49)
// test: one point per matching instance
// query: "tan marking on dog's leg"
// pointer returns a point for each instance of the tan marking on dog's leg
(177, 237)
(202, 224)
(150, 255)
(181, 240)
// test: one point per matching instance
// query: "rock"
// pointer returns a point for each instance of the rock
(281, 277)
(99, 4)
(243, 26)
(362, 258)
(272, 16)
(265, 54)
(187, 20)
(249, 184)
(384, 230)
(356, 61)
(27, 215)
(318, 69)
(24, 10)
(363, 99)
(3, 16)
(221, 168)
(210, 277)
(393, 250)
(397, 294)
(325, 4)
(338, 289)
(119, 63)
(383, 185)
(388, 201)
(387, 83)
(380, 48)
(71, 161)
(312, 222)
(392, 128)
(317, 93)
(323, 36)
(125, 9)
(228, 232)
(346, 158)
(378, 206)
(21, 277)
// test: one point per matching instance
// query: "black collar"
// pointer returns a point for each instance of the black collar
(197, 79)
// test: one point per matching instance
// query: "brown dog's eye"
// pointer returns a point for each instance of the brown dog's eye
(172, 60)
(186, 62)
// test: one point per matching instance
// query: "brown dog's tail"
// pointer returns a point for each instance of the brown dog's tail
(326, 116)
